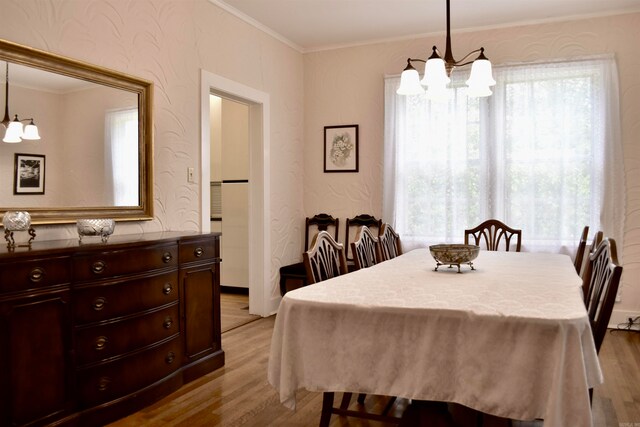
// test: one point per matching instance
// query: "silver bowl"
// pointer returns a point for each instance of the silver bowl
(16, 221)
(454, 254)
(95, 227)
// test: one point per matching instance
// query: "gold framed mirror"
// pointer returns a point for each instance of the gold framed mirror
(94, 158)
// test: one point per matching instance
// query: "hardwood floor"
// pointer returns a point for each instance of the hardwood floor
(616, 403)
(234, 308)
(238, 394)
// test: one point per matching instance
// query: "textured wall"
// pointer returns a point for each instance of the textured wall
(345, 86)
(169, 42)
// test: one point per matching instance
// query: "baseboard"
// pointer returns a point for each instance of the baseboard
(620, 319)
(234, 290)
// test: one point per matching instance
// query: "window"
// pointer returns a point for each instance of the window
(121, 156)
(542, 154)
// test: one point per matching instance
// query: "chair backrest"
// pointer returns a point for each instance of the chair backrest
(321, 222)
(356, 222)
(493, 232)
(582, 245)
(365, 248)
(325, 259)
(389, 241)
(603, 288)
(585, 270)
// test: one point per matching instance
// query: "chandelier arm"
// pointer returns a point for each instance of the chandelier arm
(417, 59)
(460, 64)
(466, 63)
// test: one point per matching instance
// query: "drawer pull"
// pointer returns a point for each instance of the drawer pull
(99, 303)
(36, 275)
(198, 252)
(103, 383)
(167, 288)
(98, 267)
(101, 343)
(166, 257)
(168, 322)
(170, 357)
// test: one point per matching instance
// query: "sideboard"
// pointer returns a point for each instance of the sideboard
(92, 331)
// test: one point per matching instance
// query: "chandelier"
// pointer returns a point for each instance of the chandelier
(437, 72)
(14, 130)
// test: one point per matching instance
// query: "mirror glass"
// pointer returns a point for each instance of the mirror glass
(93, 158)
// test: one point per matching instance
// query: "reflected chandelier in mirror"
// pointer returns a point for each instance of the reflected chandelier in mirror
(96, 131)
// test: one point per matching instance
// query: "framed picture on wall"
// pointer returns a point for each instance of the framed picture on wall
(28, 176)
(341, 148)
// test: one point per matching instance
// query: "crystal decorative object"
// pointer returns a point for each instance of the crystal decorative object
(16, 221)
(95, 227)
(454, 254)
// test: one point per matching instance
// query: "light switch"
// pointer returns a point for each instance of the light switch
(190, 175)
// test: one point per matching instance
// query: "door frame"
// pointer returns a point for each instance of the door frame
(259, 172)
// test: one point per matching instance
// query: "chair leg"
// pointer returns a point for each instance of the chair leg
(346, 400)
(327, 405)
(361, 397)
(388, 406)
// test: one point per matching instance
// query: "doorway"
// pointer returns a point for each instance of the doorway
(261, 302)
(230, 206)
(229, 188)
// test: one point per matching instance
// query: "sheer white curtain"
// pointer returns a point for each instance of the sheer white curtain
(542, 154)
(121, 156)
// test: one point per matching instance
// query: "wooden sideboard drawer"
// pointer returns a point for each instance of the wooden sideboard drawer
(113, 299)
(115, 263)
(35, 273)
(101, 342)
(124, 376)
(198, 250)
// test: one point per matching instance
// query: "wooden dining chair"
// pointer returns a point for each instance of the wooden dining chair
(325, 259)
(582, 246)
(366, 252)
(365, 249)
(390, 245)
(585, 270)
(492, 233)
(602, 272)
(322, 222)
(351, 228)
(295, 274)
(602, 288)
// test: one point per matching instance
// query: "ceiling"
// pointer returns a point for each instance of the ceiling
(310, 25)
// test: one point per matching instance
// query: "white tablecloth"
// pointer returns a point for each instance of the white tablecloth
(511, 338)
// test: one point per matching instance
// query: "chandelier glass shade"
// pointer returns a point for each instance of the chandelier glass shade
(437, 72)
(15, 132)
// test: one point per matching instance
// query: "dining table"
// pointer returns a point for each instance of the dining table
(509, 338)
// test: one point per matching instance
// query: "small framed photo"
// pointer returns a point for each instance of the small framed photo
(341, 148)
(28, 177)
